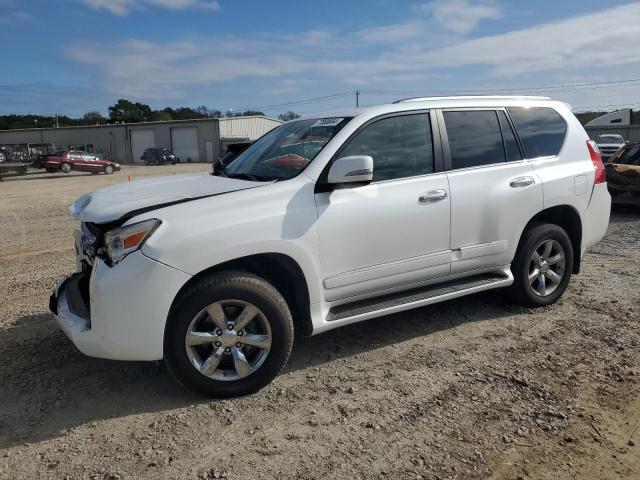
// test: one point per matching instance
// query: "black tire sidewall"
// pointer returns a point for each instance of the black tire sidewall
(534, 236)
(195, 300)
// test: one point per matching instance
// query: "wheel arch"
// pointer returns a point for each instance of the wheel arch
(282, 271)
(568, 218)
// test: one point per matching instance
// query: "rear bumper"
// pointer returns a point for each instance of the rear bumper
(595, 219)
(126, 308)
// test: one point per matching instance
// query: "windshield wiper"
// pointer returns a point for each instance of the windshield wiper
(248, 176)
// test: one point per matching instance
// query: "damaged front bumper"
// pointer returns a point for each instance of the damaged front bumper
(69, 302)
(118, 312)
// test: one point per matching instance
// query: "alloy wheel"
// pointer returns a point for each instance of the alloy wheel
(546, 267)
(228, 340)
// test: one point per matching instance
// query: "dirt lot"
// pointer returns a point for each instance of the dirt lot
(472, 388)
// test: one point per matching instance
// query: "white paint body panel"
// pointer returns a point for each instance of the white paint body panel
(350, 244)
(111, 203)
(488, 215)
(129, 307)
(390, 239)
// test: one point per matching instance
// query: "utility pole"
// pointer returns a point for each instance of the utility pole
(357, 98)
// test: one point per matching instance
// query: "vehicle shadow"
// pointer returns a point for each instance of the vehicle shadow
(49, 387)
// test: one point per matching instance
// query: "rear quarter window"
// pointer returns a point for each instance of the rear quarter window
(541, 130)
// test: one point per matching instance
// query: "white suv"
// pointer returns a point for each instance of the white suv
(328, 221)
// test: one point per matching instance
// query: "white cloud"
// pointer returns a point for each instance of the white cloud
(13, 14)
(124, 7)
(283, 64)
(608, 37)
(461, 16)
(393, 33)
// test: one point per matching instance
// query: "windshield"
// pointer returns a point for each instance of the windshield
(286, 150)
(610, 139)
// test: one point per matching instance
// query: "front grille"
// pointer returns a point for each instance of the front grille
(608, 151)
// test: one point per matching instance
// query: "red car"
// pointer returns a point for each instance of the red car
(68, 160)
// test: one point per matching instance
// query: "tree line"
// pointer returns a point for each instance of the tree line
(127, 112)
(135, 112)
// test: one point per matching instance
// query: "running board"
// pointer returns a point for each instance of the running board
(407, 300)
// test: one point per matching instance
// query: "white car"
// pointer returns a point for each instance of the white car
(608, 144)
(331, 220)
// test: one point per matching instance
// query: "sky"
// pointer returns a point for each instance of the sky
(69, 57)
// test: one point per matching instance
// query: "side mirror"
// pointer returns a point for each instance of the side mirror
(353, 169)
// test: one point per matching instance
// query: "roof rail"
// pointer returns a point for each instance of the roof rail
(473, 97)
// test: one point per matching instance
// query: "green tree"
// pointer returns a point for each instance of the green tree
(93, 117)
(129, 112)
(285, 117)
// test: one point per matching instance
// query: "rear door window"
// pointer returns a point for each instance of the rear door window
(541, 130)
(475, 138)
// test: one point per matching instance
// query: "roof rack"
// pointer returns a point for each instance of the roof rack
(473, 97)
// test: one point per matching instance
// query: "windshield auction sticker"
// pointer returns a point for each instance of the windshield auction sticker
(327, 122)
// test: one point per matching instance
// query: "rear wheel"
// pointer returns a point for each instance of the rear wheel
(542, 266)
(229, 334)
(65, 167)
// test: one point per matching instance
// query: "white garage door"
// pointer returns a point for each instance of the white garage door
(140, 141)
(184, 143)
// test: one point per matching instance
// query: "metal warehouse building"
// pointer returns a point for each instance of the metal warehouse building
(201, 140)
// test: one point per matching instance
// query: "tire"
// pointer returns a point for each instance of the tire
(541, 280)
(3, 157)
(227, 294)
(65, 167)
(108, 169)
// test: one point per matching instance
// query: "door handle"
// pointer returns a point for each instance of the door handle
(520, 182)
(432, 196)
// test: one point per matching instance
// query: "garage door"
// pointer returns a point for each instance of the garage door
(184, 143)
(140, 141)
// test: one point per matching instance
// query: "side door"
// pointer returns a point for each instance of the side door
(90, 163)
(77, 160)
(394, 232)
(494, 190)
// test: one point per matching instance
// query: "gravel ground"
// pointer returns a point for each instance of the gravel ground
(471, 388)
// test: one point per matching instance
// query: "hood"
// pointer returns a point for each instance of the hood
(128, 199)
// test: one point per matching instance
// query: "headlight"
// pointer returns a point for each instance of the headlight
(120, 242)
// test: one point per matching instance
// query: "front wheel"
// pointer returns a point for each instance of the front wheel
(229, 334)
(542, 266)
(65, 167)
(108, 169)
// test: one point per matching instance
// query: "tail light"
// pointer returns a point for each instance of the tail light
(596, 159)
